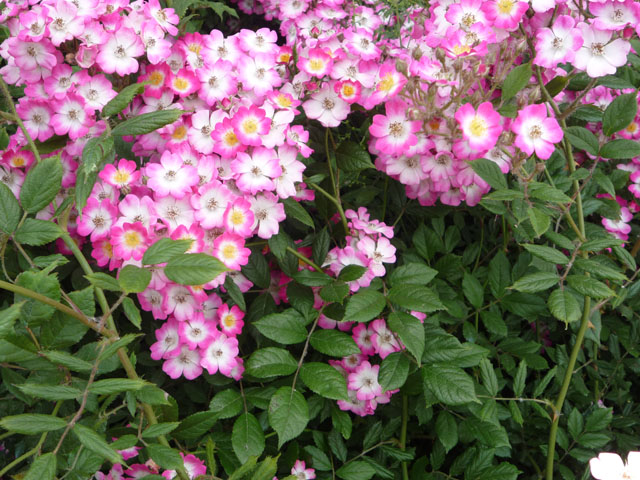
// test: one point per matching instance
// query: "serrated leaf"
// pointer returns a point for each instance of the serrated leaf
(8, 317)
(153, 431)
(104, 281)
(516, 80)
(41, 184)
(270, 362)
(288, 414)
(50, 392)
(37, 232)
(410, 330)
(548, 254)
(540, 221)
(32, 423)
(619, 113)
(134, 279)
(473, 290)
(122, 99)
(42, 468)
(324, 380)
(286, 328)
(536, 282)
(247, 437)
(450, 385)
(146, 122)
(447, 430)
(334, 343)
(582, 139)
(413, 273)
(95, 443)
(394, 370)
(365, 305)
(108, 386)
(335, 292)
(193, 268)
(226, 404)
(165, 457)
(357, 470)
(589, 286)
(9, 210)
(351, 157)
(132, 312)
(490, 173)
(620, 149)
(293, 209)
(414, 297)
(165, 249)
(519, 379)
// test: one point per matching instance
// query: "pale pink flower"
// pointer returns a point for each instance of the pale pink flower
(536, 132)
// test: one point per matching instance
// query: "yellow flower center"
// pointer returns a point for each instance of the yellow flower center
(461, 49)
(132, 239)
(179, 133)
(230, 138)
(229, 320)
(156, 78)
(237, 217)
(633, 126)
(250, 126)
(121, 177)
(229, 251)
(180, 83)
(284, 101)
(386, 83)
(195, 48)
(505, 6)
(348, 90)
(478, 127)
(285, 57)
(18, 161)
(316, 65)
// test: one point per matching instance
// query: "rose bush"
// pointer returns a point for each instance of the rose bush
(329, 239)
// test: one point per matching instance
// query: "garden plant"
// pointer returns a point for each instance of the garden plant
(331, 239)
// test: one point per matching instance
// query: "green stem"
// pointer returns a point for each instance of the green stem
(306, 260)
(584, 323)
(18, 120)
(35, 449)
(403, 434)
(336, 190)
(122, 353)
(333, 200)
(57, 305)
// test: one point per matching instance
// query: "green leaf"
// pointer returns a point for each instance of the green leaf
(120, 101)
(548, 254)
(146, 122)
(193, 268)
(293, 209)
(473, 290)
(575, 423)
(95, 443)
(364, 306)
(41, 185)
(286, 328)
(152, 431)
(37, 232)
(490, 173)
(336, 292)
(8, 317)
(319, 459)
(504, 471)
(604, 182)
(517, 79)
(489, 378)
(589, 286)
(50, 392)
(414, 297)
(288, 414)
(320, 247)
(115, 346)
(195, 426)
(540, 221)
(413, 273)
(619, 113)
(536, 282)
(334, 343)
(95, 154)
(271, 362)
(108, 386)
(599, 419)
(324, 380)
(450, 385)
(582, 139)
(447, 430)
(164, 250)
(33, 311)
(31, 423)
(134, 279)
(132, 312)
(311, 278)
(410, 330)
(9, 210)
(226, 404)
(620, 149)
(257, 270)
(235, 293)
(519, 379)
(165, 457)
(351, 273)
(394, 370)
(104, 281)
(357, 470)
(42, 468)
(266, 469)
(351, 157)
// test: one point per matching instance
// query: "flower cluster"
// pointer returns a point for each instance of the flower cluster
(193, 466)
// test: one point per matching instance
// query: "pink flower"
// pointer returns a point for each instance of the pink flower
(171, 176)
(220, 355)
(389, 84)
(599, 55)
(230, 320)
(179, 301)
(349, 91)
(383, 339)
(117, 54)
(167, 344)
(226, 142)
(71, 117)
(186, 362)
(327, 107)
(394, 133)
(318, 63)
(120, 177)
(36, 115)
(230, 250)
(256, 172)
(557, 44)
(130, 241)
(362, 334)
(609, 466)
(364, 380)
(249, 124)
(238, 217)
(505, 14)
(481, 128)
(184, 82)
(166, 17)
(97, 218)
(535, 132)
(217, 81)
(267, 213)
(301, 472)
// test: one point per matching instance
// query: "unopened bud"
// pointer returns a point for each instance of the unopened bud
(402, 67)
